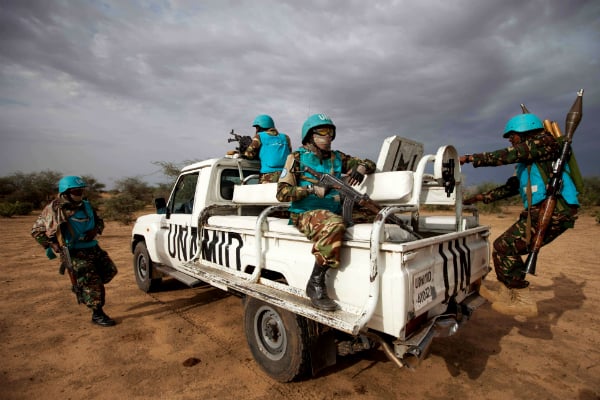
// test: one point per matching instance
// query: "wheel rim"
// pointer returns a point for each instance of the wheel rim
(270, 333)
(142, 267)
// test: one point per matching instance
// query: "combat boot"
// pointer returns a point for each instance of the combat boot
(317, 291)
(515, 302)
(100, 318)
(491, 291)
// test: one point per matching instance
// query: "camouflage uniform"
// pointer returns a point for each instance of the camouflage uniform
(92, 266)
(252, 153)
(542, 149)
(325, 228)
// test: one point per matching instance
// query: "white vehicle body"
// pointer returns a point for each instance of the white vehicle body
(393, 289)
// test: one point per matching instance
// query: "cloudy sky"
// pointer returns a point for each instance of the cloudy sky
(106, 87)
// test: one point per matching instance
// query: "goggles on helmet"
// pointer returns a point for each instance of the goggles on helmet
(324, 131)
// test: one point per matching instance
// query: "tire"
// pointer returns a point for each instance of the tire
(142, 269)
(278, 340)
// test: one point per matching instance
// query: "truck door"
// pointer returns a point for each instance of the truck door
(177, 240)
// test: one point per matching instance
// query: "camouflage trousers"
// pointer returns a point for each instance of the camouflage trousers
(512, 244)
(326, 229)
(93, 269)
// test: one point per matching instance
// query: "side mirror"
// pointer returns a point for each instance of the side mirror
(161, 205)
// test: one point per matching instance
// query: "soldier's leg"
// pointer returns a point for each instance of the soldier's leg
(91, 284)
(513, 298)
(507, 251)
(326, 230)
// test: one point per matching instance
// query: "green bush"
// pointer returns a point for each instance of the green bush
(121, 208)
(23, 207)
(7, 210)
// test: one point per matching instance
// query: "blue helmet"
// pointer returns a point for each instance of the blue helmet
(264, 121)
(522, 123)
(314, 121)
(70, 182)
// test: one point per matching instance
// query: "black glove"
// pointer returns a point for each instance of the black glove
(90, 235)
(357, 175)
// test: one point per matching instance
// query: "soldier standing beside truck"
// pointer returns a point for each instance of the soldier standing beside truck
(68, 226)
(533, 150)
(316, 210)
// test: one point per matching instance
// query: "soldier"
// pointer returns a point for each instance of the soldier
(532, 150)
(70, 221)
(316, 210)
(270, 147)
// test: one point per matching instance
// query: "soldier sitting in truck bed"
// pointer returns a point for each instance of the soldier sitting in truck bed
(316, 210)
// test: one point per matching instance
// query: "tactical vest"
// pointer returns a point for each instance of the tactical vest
(538, 185)
(332, 166)
(79, 223)
(273, 152)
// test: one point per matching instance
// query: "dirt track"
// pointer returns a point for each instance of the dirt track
(50, 350)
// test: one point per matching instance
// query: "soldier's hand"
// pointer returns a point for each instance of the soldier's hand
(467, 158)
(473, 200)
(90, 235)
(357, 175)
(50, 253)
(318, 190)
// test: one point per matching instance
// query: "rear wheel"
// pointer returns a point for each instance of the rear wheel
(142, 269)
(278, 340)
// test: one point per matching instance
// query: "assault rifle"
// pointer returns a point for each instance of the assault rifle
(352, 196)
(555, 184)
(66, 263)
(243, 141)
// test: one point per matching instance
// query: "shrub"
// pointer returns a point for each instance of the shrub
(121, 208)
(7, 210)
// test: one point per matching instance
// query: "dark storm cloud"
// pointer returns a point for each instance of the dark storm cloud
(136, 82)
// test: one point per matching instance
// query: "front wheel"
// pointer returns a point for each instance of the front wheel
(142, 269)
(278, 340)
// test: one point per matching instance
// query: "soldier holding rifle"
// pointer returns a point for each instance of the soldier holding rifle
(68, 226)
(316, 209)
(550, 206)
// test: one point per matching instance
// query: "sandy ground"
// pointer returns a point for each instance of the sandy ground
(50, 350)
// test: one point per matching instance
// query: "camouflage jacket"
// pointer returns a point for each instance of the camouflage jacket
(252, 151)
(292, 192)
(541, 148)
(56, 213)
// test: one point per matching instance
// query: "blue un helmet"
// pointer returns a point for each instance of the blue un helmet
(264, 121)
(522, 123)
(70, 182)
(314, 121)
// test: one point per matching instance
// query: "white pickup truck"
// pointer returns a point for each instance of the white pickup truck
(220, 227)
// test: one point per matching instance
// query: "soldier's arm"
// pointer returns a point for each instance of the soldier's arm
(251, 152)
(350, 163)
(540, 148)
(287, 187)
(509, 189)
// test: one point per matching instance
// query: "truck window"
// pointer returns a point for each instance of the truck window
(182, 201)
(230, 178)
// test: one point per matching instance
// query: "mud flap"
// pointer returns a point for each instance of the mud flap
(323, 351)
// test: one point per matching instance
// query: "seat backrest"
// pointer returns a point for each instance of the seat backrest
(399, 154)
(260, 194)
(394, 187)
